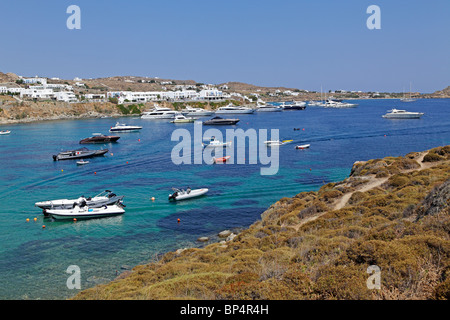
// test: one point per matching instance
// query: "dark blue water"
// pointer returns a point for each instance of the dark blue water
(33, 260)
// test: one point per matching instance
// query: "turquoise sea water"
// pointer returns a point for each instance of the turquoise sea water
(34, 260)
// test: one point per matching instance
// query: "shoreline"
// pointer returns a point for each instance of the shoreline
(92, 112)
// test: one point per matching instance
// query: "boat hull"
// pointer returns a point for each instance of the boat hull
(88, 213)
(400, 116)
(73, 155)
(105, 139)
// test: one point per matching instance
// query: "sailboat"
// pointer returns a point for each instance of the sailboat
(407, 99)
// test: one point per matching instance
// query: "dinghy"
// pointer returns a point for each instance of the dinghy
(221, 160)
(178, 194)
(86, 212)
(5, 132)
(82, 162)
(303, 146)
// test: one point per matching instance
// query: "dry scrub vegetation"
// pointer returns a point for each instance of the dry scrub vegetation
(303, 248)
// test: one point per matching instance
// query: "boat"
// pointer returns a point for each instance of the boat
(5, 132)
(86, 212)
(196, 112)
(214, 143)
(293, 105)
(232, 109)
(220, 121)
(330, 103)
(410, 99)
(182, 119)
(182, 194)
(271, 143)
(106, 197)
(82, 162)
(315, 103)
(160, 113)
(124, 128)
(261, 106)
(402, 114)
(99, 138)
(221, 159)
(79, 154)
(303, 146)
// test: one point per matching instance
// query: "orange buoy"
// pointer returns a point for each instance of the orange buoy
(95, 172)
(28, 220)
(139, 140)
(74, 219)
(127, 162)
(35, 219)
(43, 227)
(153, 198)
(178, 220)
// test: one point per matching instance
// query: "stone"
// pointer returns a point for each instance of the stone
(224, 233)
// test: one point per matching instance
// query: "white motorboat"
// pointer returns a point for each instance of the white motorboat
(315, 104)
(182, 194)
(293, 105)
(182, 119)
(232, 109)
(214, 143)
(124, 128)
(402, 114)
(303, 146)
(196, 112)
(5, 132)
(264, 107)
(86, 212)
(271, 143)
(106, 197)
(160, 113)
(338, 104)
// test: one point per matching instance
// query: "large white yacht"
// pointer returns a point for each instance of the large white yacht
(196, 112)
(338, 104)
(261, 106)
(232, 109)
(402, 114)
(293, 105)
(160, 113)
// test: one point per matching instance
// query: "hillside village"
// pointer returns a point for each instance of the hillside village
(144, 89)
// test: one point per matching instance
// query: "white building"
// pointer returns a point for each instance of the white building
(35, 80)
(37, 93)
(3, 89)
(212, 94)
(65, 96)
(95, 96)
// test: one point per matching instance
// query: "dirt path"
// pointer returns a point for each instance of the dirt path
(372, 183)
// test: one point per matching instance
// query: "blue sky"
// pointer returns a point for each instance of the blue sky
(297, 43)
